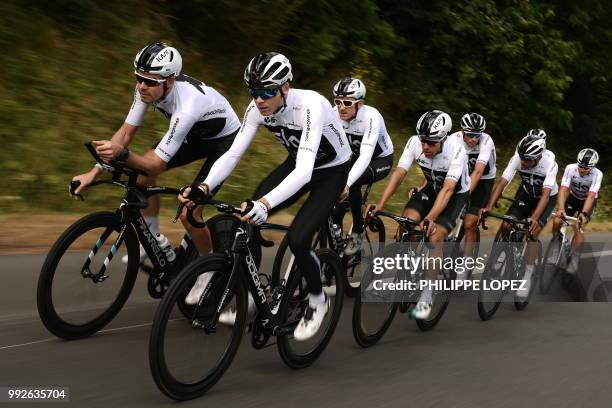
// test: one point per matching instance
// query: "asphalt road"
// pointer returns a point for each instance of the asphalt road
(549, 355)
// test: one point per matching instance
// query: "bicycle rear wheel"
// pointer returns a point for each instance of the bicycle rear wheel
(301, 354)
(83, 284)
(188, 357)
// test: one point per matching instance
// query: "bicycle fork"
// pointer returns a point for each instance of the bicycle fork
(101, 275)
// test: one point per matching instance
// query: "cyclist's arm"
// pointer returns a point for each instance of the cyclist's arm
(589, 202)
(497, 192)
(368, 145)
(562, 198)
(564, 189)
(304, 161)
(542, 203)
(124, 135)
(455, 171)
(442, 199)
(408, 156)
(135, 116)
(394, 182)
(547, 186)
(225, 164)
(475, 176)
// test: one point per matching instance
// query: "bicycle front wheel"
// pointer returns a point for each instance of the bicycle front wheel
(373, 242)
(550, 266)
(497, 269)
(83, 283)
(301, 354)
(188, 357)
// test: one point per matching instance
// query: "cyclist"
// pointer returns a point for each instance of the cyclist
(443, 161)
(372, 150)
(535, 199)
(202, 125)
(318, 162)
(578, 194)
(481, 165)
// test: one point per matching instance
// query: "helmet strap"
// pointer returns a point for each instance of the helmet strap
(284, 105)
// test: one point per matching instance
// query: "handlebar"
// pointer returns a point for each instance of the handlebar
(508, 218)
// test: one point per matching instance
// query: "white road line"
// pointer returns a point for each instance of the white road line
(55, 338)
(597, 254)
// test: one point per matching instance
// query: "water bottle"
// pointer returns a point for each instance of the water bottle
(166, 246)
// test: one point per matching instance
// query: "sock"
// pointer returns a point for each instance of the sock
(153, 223)
(314, 300)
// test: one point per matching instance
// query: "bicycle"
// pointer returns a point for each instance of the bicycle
(506, 263)
(561, 243)
(179, 348)
(369, 322)
(62, 311)
(330, 236)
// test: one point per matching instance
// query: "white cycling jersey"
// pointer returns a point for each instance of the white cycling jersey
(309, 129)
(483, 152)
(368, 139)
(193, 108)
(580, 186)
(450, 163)
(542, 175)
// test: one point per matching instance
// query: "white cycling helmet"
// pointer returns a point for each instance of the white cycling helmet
(531, 147)
(350, 88)
(473, 122)
(268, 70)
(159, 58)
(434, 126)
(588, 158)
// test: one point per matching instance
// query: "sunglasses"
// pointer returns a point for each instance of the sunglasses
(584, 167)
(428, 142)
(150, 82)
(346, 102)
(263, 93)
(472, 135)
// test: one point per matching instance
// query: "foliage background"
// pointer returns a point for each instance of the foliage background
(66, 75)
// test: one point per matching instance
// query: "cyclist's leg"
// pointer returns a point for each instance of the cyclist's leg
(445, 223)
(324, 185)
(478, 199)
(418, 206)
(521, 208)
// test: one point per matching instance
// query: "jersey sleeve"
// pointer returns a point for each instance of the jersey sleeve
(596, 185)
(225, 164)
(312, 119)
(457, 164)
(485, 151)
(567, 177)
(180, 124)
(409, 154)
(512, 167)
(551, 176)
(366, 150)
(137, 110)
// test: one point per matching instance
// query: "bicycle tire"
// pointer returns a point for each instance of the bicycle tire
(44, 297)
(549, 270)
(291, 303)
(520, 303)
(484, 312)
(165, 380)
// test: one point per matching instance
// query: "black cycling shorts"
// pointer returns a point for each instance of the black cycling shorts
(423, 201)
(524, 205)
(195, 148)
(574, 205)
(480, 196)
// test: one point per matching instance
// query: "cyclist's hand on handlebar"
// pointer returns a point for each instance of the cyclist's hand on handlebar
(582, 219)
(194, 195)
(256, 212)
(107, 149)
(560, 214)
(84, 180)
(371, 210)
(431, 226)
(534, 227)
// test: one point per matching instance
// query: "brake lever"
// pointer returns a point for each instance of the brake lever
(179, 210)
(74, 184)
